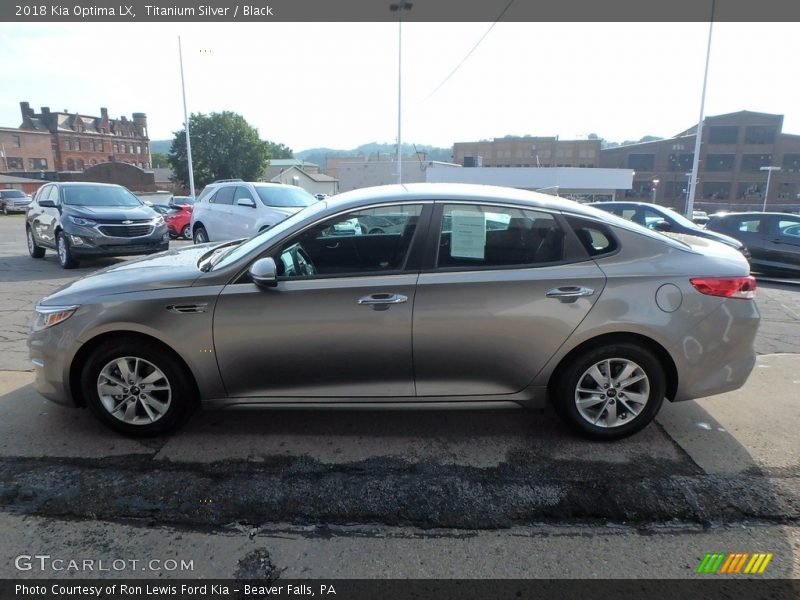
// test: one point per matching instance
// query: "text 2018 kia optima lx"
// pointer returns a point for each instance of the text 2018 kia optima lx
(487, 296)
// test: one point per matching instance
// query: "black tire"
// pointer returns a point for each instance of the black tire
(200, 235)
(5, 210)
(613, 407)
(181, 398)
(186, 232)
(65, 258)
(34, 249)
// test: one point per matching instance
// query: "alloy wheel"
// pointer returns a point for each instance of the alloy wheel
(612, 392)
(134, 390)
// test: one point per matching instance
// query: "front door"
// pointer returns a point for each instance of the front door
(336, 325)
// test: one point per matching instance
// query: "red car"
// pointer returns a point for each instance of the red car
(178, 219)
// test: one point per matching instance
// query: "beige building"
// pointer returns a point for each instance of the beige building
(528, 151)
(312, 182)
(25, 151)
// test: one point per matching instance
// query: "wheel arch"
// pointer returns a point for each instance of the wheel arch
(88, 347)
(664, 357)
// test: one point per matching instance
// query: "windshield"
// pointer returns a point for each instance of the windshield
(681, 220)
(233, 254)
(284, 197)
(99, 195)
(13, 194)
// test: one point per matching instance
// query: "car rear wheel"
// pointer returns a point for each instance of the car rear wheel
(610, 392)
(186, 232)
(200, 235)
(137, 388)
(34, 250)
(65, 258)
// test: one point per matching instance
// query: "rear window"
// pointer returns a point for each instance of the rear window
(12, 194)
(595, 238)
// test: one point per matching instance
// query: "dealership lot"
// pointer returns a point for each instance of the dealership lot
(260, 478)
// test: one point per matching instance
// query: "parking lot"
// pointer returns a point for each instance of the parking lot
(460, 493)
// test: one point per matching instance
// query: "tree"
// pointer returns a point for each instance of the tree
(279, 151)
(224, 146)
(159, 160)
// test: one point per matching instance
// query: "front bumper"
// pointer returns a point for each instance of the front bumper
(88, 241)
(51, 351)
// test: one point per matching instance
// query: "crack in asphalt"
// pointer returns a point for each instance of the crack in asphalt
(388, 491)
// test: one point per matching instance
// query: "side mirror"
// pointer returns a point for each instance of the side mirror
(47, 204)
(246, 202)
(662, 226)
(264, 273)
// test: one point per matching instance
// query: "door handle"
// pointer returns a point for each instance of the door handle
(383, 299)
(570, 292)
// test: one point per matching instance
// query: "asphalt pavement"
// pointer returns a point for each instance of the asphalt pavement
(403, 494)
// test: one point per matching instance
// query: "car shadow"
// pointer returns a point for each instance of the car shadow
(24, 268)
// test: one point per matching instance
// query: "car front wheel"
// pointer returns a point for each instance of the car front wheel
(65, 258)
(137, 388)
(200, 235)
(186, 232)
(610, 392)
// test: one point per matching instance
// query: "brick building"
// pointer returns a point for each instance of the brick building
(25, 151)
(527, 151)
(80, 141)
(734, 148)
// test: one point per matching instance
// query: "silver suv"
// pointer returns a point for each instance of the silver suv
(240, 209)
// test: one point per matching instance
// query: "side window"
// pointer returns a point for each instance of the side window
(651, 218)
(363, 242)
(223, 196)
(42, 193)
(789, 227)
(595, 238)
(489, 236)
(242, 193)
(749, 226)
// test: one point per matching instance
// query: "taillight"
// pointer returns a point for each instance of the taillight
(727, 287)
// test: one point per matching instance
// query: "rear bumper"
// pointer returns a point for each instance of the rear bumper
(717, 355)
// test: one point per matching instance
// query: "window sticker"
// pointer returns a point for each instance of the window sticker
(468, 235)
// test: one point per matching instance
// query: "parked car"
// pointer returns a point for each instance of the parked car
(179, 221)
(601, 316)
(239, 209)
(666, 220)
(84, 220)
(182, 200)
(773, 238)
(699, 217)
(12, 201)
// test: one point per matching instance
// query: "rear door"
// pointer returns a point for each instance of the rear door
(502, 290)
(752, 231)
(218, 225)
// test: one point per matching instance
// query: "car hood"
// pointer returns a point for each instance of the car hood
(134, 213)
(171, 269)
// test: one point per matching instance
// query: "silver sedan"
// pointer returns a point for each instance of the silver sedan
(481, 296)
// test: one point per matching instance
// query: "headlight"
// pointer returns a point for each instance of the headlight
(82, 221)
(47, 316)
(159, 220)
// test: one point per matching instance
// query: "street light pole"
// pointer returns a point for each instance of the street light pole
(655, 187)
(769, 171)
(186, 123)
(399, 8)
(699, 138)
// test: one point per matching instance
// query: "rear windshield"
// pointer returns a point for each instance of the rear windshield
(12, 194)
(285, 196)
(96, 195)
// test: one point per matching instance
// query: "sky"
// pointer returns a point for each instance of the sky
(335, 84)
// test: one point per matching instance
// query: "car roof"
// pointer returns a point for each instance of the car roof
(457, 191)
(78, 183)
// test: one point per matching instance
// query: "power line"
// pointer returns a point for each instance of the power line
(475, 47)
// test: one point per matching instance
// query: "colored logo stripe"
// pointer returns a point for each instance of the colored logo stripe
(734, 563)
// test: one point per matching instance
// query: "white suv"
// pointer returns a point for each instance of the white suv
(240, 209)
